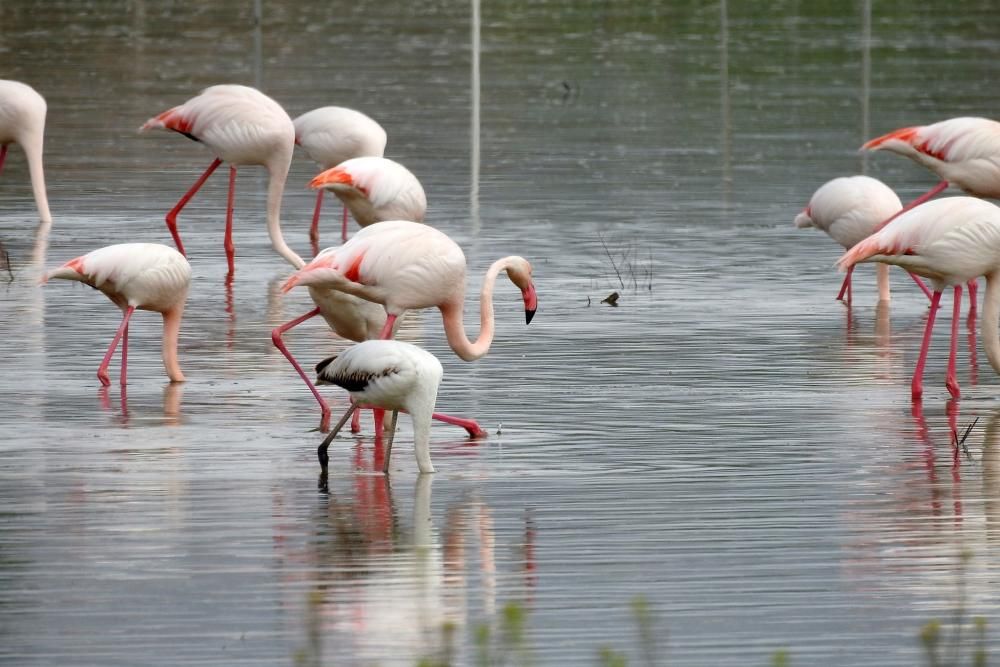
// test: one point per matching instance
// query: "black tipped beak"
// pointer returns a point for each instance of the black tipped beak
(528, 315)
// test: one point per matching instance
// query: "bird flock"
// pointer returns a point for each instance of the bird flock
(362, 288)
(950, 241)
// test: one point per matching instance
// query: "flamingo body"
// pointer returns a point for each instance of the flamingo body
(950, 241)
(405, 265)
(375, 189)
(963, 151)
(22, 121)
(330, 135)
(392, 375)
(241, 126)
(143, 276)
(849, 208)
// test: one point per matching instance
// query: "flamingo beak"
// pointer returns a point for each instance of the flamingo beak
(332, 176)
(530, 302)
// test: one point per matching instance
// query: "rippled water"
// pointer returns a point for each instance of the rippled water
(728, 442)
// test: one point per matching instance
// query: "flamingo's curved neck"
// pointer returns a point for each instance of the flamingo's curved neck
(991, 313)
(33, 152)
(421, 409)
(275, 189)
(454, 327)
(171, 330)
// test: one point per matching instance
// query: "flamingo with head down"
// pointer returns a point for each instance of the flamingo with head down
(22, 121)
(331, 135)
(242, 126)
(949, 241)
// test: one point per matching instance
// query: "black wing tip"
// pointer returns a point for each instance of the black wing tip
(323, 364)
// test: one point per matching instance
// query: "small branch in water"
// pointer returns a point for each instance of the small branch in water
(613, 265)
(5, 263)
(960, 442)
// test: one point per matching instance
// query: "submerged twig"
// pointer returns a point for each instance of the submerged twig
(612, 259)
(960, 442)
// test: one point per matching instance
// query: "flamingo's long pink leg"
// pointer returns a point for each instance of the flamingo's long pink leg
(102, 370)
(324, 423)
(3, 155)
(172, 215)
(845, 287)
(379, 414)
(124, 357)
(230, 248)
(920, 284)
(973, 302)
(343, 226)
(951, 380)
(470, 425)
(314, 228)
(940, 187)
(917, 385)
(356, 422)
(386, 332)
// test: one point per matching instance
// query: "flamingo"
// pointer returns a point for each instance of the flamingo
(963, 151)
(242, 126)
(375, 189)
(22, 121)
(147, 276)
(331, 135)
(405, 265)
(394, 376)
(848, 209)
(949, 241)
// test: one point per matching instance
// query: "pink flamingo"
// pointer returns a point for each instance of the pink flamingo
(331, 135)
(242, 126)
(405, 265)
(22, 121)
(147, 276)
(375, 189)
(949, 241)
(963, 151)
(849, 209)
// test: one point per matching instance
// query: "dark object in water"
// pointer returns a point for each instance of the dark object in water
(611, 299)
(5, 263)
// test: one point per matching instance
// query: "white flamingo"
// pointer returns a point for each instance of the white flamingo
(22, 121)
(147, 276)
(849, 209)
(391, 375)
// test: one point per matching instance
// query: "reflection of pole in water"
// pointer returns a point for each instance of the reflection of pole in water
(474, 185)
(258, 43)
(866, 76)
(727, 175)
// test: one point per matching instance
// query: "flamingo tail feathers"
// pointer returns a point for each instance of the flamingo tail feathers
(905, 134)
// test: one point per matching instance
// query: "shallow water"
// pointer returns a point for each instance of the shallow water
(729, 442)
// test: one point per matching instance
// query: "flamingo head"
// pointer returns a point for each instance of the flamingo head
(332, 178)
(519, 272)
(71, 270)
(804, 219)
(315, 272)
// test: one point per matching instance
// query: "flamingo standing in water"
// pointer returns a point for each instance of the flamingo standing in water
(848, 209)
(405, 265)
(147, 276)
(242, 126)
(963, 151)
(22, 121)
(394, 376)
(375, 189)
(949, 241)
(331, 135)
